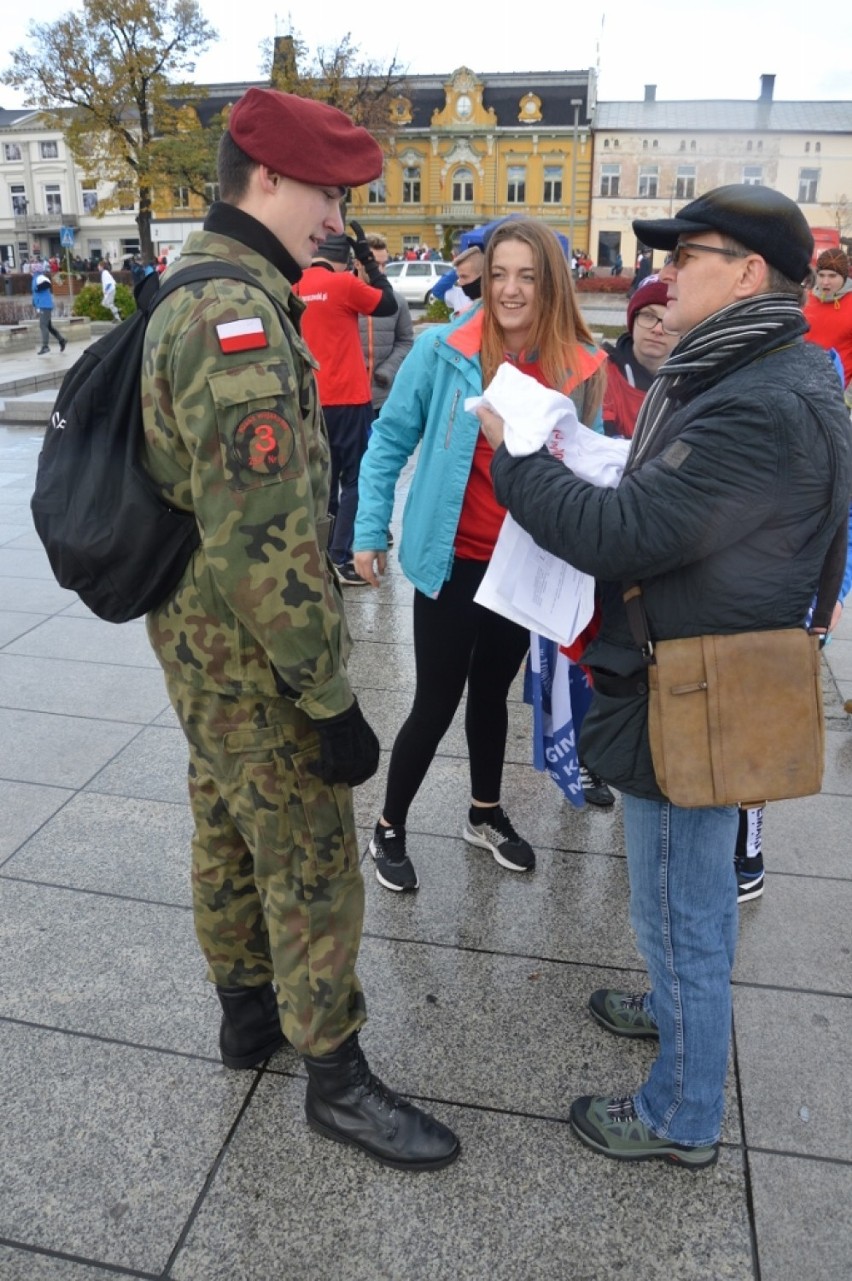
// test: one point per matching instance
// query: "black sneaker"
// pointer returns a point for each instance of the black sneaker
(62, 345)
(495, 833)
(390, 539)
(394, 869)
(595, 789)
(348, 576)
(750, 878)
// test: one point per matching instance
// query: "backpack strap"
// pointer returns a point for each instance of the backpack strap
(204, 271)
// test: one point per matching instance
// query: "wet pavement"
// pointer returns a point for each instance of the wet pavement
(128, 1150)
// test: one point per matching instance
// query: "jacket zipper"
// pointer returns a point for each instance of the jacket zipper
(452, 419)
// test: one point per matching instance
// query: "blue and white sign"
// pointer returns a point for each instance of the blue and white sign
(66, 237)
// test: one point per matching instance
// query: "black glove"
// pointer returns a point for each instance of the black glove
(349, 750)
(360, 248)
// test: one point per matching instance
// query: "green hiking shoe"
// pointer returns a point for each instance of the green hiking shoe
(623, 1013)
(610, 1126)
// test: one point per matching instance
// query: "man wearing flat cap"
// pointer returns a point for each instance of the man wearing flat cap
(253, 641)
(738, 477)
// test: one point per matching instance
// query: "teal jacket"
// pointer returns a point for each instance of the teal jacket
(426, 408)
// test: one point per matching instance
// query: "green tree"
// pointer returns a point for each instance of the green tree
(112, 79)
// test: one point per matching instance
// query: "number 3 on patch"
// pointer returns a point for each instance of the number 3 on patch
(264, 442)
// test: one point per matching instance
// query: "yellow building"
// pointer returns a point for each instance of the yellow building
(469, 148)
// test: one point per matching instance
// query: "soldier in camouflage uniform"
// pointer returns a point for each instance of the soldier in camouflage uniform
(253, 641)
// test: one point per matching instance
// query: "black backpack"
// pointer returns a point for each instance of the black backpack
(109, 534)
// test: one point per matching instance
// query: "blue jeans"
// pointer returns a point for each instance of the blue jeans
(683, 907)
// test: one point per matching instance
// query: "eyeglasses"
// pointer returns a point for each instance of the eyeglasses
(648, 320)
(679, 251)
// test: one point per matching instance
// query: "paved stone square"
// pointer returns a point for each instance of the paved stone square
(127, 1150)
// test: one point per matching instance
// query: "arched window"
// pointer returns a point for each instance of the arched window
(463, 187)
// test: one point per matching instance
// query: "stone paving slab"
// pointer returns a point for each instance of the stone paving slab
(801, 1214)
(96, 1125)
(524, 1203)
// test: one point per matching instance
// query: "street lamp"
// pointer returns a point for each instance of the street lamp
(576, 103)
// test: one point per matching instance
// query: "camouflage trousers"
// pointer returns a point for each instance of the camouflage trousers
(276, 883)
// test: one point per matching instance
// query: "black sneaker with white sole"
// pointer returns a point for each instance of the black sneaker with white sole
(595, 789)
(750, 878)
(348, 576)
(394, 869)
(494, 832)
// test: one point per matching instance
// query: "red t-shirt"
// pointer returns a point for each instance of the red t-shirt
(335, 300)
(481, 515)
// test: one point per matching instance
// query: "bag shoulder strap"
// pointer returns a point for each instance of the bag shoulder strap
(830, 578)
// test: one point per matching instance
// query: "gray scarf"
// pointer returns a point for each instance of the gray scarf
(719, 345)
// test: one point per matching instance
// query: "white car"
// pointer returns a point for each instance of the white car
(414, 280)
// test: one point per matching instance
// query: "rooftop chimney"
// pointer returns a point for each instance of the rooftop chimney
(650, 93)
(767, 88)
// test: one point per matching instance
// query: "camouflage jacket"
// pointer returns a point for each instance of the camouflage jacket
(234, 433)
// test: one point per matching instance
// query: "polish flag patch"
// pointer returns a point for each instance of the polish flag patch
(242, 335)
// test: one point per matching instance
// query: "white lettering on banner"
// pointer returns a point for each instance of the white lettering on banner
(314, 297)
(560, 749)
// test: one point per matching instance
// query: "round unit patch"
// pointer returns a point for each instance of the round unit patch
(264, 442)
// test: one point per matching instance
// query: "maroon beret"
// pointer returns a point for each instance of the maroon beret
(303, 139)
(651, 292)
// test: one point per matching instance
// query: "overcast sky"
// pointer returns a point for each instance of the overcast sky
(687, 50)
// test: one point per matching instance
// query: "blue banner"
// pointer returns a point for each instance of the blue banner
(560, 694)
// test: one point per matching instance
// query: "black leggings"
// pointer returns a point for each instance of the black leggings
(456, 640)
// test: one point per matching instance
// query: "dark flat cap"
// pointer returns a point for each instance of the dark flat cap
(761, 219)
(303, 139)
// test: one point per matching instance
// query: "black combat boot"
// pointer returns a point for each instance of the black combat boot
(345, 1102)
(251, 1030)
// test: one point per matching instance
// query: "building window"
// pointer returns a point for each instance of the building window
(516, 185)
(90, 200)
(377, 192)
(749, 145)
(11, 150)
(644, 144)
(683, 144)
(96, 250)
(19, 201)
(615, 142)
(53, 200)
(808, 182)
(180, 198)
(649, 177)
(685, 183)
(610, 176)
(552, 184)
(606, 142)
(411, 185)
(655, 143)
(49, 150)
(127, 196)
(760, 144)
(807, 146)
(753, 175)
(463, 186)
(817, 146)
(211, 192)
(692, 145)
(410, 242)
